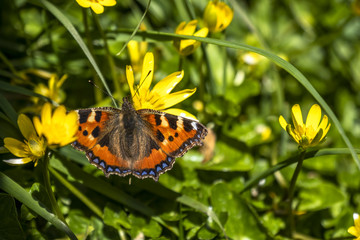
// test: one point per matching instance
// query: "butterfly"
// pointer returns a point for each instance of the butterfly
(142, 142)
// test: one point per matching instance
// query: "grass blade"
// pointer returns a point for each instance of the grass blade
(15, 190)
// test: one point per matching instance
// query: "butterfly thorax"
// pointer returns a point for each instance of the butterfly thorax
(127, 131)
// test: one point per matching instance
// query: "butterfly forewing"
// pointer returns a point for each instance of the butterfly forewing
(174, 134)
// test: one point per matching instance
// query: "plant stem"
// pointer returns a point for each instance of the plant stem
(291, 192)
(45, 170)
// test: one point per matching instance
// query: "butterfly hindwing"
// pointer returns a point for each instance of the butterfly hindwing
(174, 134)
(153, 165)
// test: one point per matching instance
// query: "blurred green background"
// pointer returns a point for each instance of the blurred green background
(240, 95)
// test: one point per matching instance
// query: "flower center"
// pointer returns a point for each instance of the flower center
(36, 148)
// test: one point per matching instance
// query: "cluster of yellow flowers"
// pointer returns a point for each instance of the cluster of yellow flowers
(52, 130)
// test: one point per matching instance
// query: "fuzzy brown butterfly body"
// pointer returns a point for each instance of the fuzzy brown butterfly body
(143, 142)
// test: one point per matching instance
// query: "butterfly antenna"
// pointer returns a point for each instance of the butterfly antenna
(138, 87)
(102, 90)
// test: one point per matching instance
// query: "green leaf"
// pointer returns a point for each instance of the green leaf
(78, 223)
(10, 226)
(201, 208)
(102, 231)
(240, 223)
(11, 187)
(245, 90)
(320, 195)
(139, 226)
(228, 158)
(272, 223)
(252, 132)
(116, 217)
(205, 233)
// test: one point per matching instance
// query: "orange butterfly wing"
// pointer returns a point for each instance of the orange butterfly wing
(175, 135)
(91, 123)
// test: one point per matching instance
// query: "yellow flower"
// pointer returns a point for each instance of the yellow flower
(96, 5)
(53, 91)
(137, 51)
(355, 230)
(186, 47)
(59, 129)
(309, 134)
(159, 98)
(32, 149)
(217, 16)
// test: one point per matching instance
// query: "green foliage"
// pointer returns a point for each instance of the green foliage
(273, 55)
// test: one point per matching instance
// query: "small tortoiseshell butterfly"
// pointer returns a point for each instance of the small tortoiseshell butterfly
(142, 142)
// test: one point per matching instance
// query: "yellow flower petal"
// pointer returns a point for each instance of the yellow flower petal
(166, 85)
(217, 16)
(18, 161)
(38, 126)
(97, 8)
(202, 32)
(46, 114)
(173, 98)
(146, 75)
(59, 116)
(26, 127)
(297, 118)
(16, 147)
(283, 122)
(324, 122)
(180, 112)
(225, 16)
(324, 126)
(186, 47)
(291, 132)
(325, 131)
(61, 81)
(84, 3)
(134, 52)
(352, 230)
(108, 3)
(313, 117)
(71, 123)
(130, 79)
(186, 29)
(357, 222)
(210, 16)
